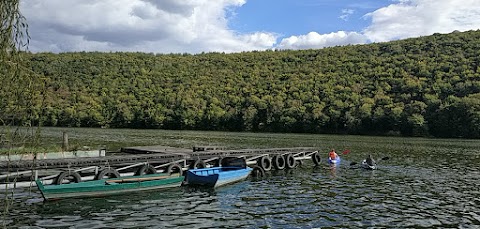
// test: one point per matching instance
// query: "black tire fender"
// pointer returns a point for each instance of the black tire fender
(174, 168)
(257, 172)
(278, 162)
(265, 163)
(290, 161)
(109, 173)
(198, 164)
(316, 158)
(75, 177)
(145, 169)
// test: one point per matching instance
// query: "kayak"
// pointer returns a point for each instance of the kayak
(365, 165)
(336, 161)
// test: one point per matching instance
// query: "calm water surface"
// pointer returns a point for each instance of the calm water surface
(428, 186)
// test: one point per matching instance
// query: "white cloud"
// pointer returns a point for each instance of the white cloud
(177, 26)
(399, 20)
(315, 40)
(162, 26)
(413, 18)
(346, 14)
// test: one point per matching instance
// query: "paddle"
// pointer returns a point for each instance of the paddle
(346, 151)
(384, 158)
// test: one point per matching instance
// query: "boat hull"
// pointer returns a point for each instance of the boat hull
(108, 187)
(217, 176)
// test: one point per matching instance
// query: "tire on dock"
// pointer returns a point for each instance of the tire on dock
(198, 164)
(145, 169)
(234, 162)
(316, 158)
(69, 176)
(290, 161)
(107, 173)
(278, 162)
(265, 163)
(257, 171)
(174, 168)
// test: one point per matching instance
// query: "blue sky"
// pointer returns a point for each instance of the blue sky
(194, 26)
(292, 17)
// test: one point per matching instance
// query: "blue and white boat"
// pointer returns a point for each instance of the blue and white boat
(334, 162)
(217, 176)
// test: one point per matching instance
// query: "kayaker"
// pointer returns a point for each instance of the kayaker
(332, 155)
(369, 160)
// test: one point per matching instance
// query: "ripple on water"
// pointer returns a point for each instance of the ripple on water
(54, 223)
(396, 196)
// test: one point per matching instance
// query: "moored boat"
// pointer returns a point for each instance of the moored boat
(106, 187)
(217, 176)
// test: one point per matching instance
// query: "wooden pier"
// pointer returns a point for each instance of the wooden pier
(145, 160)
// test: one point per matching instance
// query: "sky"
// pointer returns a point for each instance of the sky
(195, 26)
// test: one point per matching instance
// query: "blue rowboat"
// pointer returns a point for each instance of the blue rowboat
(111, 186)
(334, 162)
(217, 176)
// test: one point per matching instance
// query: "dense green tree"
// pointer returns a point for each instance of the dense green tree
(425, 86)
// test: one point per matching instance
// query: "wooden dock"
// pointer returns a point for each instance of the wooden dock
(150, 159)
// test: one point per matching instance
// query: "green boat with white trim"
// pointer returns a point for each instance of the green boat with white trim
(111, 186)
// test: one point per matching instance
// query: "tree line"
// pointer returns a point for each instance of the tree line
(427, 86)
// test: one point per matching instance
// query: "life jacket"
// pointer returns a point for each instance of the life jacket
(332, 155)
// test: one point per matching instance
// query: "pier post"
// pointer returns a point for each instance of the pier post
(65, 141)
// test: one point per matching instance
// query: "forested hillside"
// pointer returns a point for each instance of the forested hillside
(428, 86)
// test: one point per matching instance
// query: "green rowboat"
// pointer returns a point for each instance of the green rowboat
(113, 186)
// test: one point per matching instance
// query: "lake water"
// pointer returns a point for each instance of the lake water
(425, 183)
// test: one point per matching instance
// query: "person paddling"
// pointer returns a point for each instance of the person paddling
(369, 160)
(332, 155)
